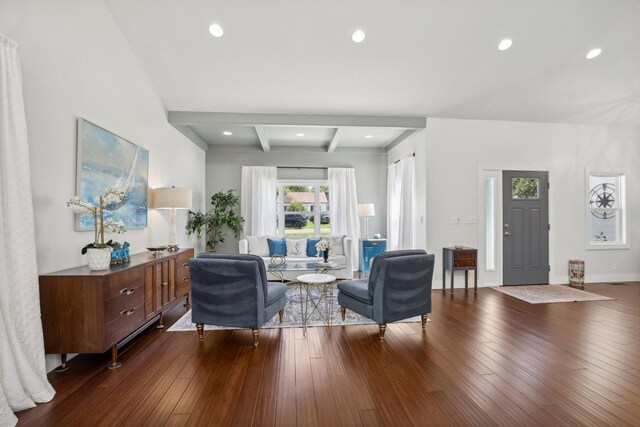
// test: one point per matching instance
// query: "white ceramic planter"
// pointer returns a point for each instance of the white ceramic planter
(99, 259)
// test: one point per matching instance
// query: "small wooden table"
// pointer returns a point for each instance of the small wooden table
(460, 258)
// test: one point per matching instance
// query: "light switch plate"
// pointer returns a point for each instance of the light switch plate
(470, 219)
(454, 220)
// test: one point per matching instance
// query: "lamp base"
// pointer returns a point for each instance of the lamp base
(172, 248)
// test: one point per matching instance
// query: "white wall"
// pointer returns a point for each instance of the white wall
(223, 172)
(76, 63)
(456, 151)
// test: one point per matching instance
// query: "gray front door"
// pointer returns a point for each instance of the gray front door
(526, 227)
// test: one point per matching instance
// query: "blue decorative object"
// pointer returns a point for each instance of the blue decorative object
(277, 247)
(311, 247)
(120, 256)
(369, 248)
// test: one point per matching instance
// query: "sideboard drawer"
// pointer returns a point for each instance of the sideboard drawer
(469, 262)
(119, 306)
(460, 253)
(123, 283)
(123, 325)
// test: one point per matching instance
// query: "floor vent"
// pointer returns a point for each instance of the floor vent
(618, 283)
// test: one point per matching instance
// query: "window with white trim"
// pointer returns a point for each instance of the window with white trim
(606, 210)
(303, 208)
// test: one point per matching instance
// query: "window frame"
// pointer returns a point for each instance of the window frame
(622, 209)
(280, 212)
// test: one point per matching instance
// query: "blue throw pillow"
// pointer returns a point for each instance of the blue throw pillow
(277, 247)
(311, 247)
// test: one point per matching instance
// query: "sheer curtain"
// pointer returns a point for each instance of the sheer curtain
(23, 376)
(400, 197)
(258, 200)
(343, 205)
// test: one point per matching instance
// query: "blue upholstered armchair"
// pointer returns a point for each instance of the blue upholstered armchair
(232, 290)
(399, 287)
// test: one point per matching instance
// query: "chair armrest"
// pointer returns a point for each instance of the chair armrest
(243, 246)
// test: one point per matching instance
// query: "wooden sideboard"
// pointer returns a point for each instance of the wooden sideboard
(86, 311)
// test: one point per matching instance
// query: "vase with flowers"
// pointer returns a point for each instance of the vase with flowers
(98, 251)
(324, 247)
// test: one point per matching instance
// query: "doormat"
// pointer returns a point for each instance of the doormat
(293, 315)
(546, 294)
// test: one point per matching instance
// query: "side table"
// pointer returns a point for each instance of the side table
(460, 258)
(324, 283)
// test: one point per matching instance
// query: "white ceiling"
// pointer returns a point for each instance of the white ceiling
(420, 58)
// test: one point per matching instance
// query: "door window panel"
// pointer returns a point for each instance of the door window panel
(525, 188)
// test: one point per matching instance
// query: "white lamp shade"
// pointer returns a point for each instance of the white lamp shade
(172, 197)
(366, 209)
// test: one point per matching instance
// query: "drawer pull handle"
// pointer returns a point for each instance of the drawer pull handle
(123, 312)
(124, 291)
(130, 291)
(130, 312)
(185, 279)
(186, 264)
(165, 284)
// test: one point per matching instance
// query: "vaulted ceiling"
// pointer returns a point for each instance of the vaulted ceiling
(281, 63)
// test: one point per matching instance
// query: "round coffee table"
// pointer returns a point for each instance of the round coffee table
(324, 283)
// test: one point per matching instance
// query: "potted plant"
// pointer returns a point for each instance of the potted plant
(223, 214)
(100, 252)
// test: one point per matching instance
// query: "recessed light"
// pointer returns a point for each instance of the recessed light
(216, 30)
(593, 53)
(368, 136)
(505, 44)
(358, 36)
(299, 134)
(227, 133)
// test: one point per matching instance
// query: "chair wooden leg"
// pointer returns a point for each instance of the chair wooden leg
(200, 328)
(343, 312)
(256, 337)
(383, 328)
(424, 320)
(281, 315)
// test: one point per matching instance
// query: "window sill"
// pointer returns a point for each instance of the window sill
(606, 246)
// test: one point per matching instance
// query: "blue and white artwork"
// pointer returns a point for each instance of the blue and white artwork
(107, 160)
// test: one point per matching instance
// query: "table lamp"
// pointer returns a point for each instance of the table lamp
(172, 198)
(366, 210)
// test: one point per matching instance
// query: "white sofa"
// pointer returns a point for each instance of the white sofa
(341, 255)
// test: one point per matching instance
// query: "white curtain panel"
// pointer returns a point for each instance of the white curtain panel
(400, 204)
(343, 205)
(23, 376)
(258, 200)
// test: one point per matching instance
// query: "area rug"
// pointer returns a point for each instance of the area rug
(293, 315)
(545, 294)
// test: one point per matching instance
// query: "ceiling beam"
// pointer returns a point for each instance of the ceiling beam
(189, 133)
(291, 120)
(337, 136)
(262, 136)
(404, 135)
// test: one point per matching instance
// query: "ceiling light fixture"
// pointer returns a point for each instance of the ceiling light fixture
(593, 53)
(299, 134)
(358, 36)
(368, 136)
(504, 44)
(216, 30)
(227, 133)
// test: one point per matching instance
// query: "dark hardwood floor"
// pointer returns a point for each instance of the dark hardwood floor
(485, 359)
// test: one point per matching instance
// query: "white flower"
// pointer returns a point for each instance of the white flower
(323, 245)
(79, 205)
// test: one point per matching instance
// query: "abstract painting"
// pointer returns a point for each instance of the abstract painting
(107, 160)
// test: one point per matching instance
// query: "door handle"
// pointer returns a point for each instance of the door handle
(506, 233)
